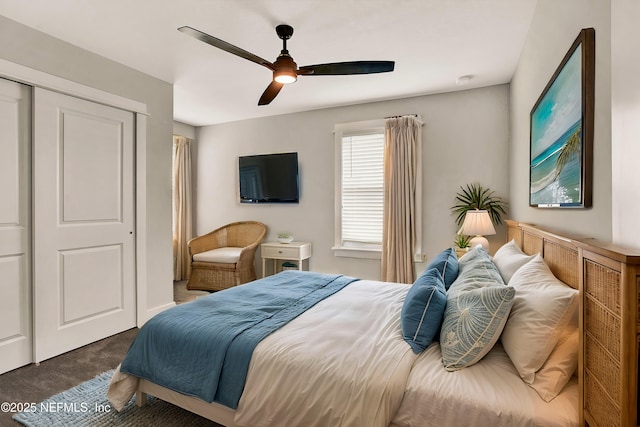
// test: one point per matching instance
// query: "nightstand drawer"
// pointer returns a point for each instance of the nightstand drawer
(275, 251)
(280, 252)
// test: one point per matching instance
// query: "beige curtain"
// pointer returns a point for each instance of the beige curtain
(402, 143)
(182, 226)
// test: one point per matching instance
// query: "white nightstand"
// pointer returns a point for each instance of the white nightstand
(294, 251)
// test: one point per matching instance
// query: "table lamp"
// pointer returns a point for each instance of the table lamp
(478, 223)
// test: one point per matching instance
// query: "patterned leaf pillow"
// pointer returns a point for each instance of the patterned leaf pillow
(478, 306)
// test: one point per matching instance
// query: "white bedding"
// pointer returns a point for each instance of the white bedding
(360, 364)
(489, 393)
(344, 363)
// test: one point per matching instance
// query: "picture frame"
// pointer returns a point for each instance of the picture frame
(561, 131)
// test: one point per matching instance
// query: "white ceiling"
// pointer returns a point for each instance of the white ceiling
(432, 41)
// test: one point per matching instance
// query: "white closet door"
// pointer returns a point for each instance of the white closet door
(84, 257)
(15, 227)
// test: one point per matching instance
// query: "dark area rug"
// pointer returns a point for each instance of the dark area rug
(86, 405)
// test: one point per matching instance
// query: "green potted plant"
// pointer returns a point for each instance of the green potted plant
(461, 243)
(475, 196)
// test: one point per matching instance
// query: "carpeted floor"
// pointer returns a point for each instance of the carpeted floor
(33, 383)
(182, 295)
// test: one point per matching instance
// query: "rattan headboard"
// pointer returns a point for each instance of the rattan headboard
(560, 253)
(608, 278)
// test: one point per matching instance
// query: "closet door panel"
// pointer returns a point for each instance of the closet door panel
(15, 227)
(84, 247)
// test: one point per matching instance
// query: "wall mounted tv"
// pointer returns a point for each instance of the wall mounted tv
(269, 178)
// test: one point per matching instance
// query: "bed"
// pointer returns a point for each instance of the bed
(345, 361)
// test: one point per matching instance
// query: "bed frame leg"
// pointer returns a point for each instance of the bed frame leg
(141, 398)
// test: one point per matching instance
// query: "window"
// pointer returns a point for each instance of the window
(359, 189)
(362, 187)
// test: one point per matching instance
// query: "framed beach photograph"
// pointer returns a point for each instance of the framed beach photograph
(561, 134)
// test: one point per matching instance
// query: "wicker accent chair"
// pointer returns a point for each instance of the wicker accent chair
(224, 257)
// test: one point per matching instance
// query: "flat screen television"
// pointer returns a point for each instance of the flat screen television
(269, 178)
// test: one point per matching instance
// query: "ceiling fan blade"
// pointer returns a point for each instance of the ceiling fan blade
(345, 68)
(228, 47)
(270, 92)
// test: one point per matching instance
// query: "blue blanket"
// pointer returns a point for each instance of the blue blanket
(203, 348)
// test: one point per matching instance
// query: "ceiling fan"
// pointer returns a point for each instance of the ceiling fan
(285, 70)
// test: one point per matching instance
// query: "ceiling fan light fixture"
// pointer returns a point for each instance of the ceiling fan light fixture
(285, 76)
(284, 69)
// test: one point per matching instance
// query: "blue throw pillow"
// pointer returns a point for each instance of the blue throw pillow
(446, 262)
(423, 310)
(478, 306)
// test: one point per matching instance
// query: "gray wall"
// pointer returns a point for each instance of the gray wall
(465, 139)
(25, 46)
(625, 126)
(554, 27)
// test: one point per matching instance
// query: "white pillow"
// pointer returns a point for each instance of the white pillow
(559, 367)
(561, 364)
(543, 307)
(509, 258)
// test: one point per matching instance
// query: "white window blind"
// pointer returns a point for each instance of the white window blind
(362, 188)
